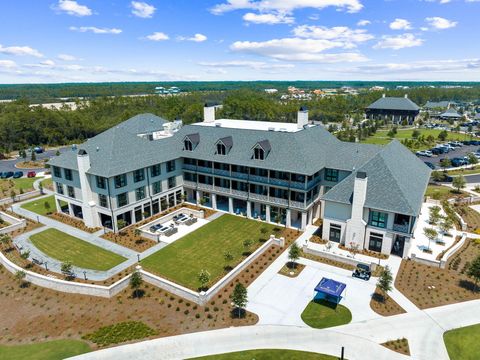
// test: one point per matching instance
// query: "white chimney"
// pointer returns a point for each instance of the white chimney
(355, 229)
(384, 95)
(208, 114)
(88, 204)
(406, 96)
(302, 117)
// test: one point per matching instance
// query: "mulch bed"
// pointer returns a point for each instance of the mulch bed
(289, 268)
(66, 219)
(317, 240)
(327, 261)
(399, 345)
(366, 252)
(384, 307)
(30, 165)
(56, 315)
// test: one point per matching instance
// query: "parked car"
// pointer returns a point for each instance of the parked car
(7, 174)
(17, 174)
(421, 153)
(456, 144)
(459, 162)
(31, 174)
(430, 165)
(436, 151)
(362, 271)
(38, 149)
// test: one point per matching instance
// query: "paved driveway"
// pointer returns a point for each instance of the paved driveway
(9, 165)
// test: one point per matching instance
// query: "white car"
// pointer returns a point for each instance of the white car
(428, 153)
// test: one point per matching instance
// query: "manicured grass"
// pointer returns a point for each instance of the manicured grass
(471, 171)
(439, 192)
(64, 247)
(462, 343)
(17, 185)
(322, 314)
(121, 332)
(52, 350)
(204, 249)
(268, 354)
(47, 183)
(38, 205)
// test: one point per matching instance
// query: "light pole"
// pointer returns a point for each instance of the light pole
(138, 257)
(46, 267)
(85, 275)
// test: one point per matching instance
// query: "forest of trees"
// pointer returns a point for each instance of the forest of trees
(22, 125)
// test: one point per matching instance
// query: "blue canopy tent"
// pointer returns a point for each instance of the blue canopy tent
(330, 290)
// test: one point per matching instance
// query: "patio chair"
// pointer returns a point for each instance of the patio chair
(255, 215)
(237, 211)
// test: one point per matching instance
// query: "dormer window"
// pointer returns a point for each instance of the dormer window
(221, 149)
(187, 145)
(258, 153)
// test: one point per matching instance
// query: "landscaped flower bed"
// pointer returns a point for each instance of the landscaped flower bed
(317, 240)
(366, 252)
(121, 332)
(73, 222)
(399, 345)
(291, 270)
(384, 306)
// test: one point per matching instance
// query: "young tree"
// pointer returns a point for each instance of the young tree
(228, 256)
(385, 282)
(137, 232)
(19, 276)
(34, 156)
(204, 278)
(25, 254)
(239, 298)
(446, 225)
(57, 153)
(247, 244)
(353, 249)
(443, 135)
(459, 182)
(472, 159)
(121, 224)
(294, 254)
(437, 176)
(13, 195)
(431, 235)
(434, 215)
(136, 282)
(445, 163)
(473, 271)
(46, 205)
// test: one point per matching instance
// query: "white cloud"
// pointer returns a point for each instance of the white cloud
(285, 6)
(157, 36)
(269, 19)
(66, 57)
(439, 23)
(255, 65)
(20, 51)
(364, 23)
(440, 66)
(398, 42)
(400, 24)
(42, 64)
(195, 38)
(72, 7)
(7, 64)
(96, 30)
(142, 9)
(297, 49)
(350, 37)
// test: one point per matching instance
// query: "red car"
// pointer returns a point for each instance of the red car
(31, 174)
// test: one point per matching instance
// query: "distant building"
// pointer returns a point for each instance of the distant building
(271, 91)
(450, 114)
(160, 90)
(437, 105)
(377, 88)
(394, 109)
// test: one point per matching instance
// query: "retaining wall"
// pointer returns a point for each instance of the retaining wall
(338, 257)
(20, 197)
(15, 223)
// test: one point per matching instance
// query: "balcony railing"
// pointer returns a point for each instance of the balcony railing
(297, 204)
(223, 190)
(279, 182)
(297, 185)
(189, 167)
(205, 169)
(279, 201)
(239, 193)
(400, 228)
(313, 182)
(258, 178)
(258, 197)
(239, 175)
(205, 186)
(221, 172)
(190, 183)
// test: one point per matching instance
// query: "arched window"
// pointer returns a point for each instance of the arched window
(221, 149)
(187, 145)
(258, 153)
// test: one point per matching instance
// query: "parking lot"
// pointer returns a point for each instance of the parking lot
(457, 152)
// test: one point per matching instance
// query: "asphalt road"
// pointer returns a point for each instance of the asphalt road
(458, 152)
(9, 165)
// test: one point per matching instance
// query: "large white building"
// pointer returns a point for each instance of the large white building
(289, 173)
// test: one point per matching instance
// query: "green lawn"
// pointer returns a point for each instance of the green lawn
(474, 170)
(64, 247)
(17, 185)
(52, 350)
(439, 192)
(462, 343)
(203, 249)
(47, 183)
(38, 205)
(268, 354)
(322, 314)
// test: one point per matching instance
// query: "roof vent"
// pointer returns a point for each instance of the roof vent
(98, 148)
(406, 96)
(361, 175)
(271, 129)
(218, 125)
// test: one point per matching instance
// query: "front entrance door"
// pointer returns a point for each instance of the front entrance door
(398, 245)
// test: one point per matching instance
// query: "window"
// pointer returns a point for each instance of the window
(120, 181)
(171, 166)
(172, 182)
(102, 200)
(101, 182)
(155, 170)
(331, 175)
(57, 172)
(59, 188)
(71, 191)
(258, 153)
(138, 175)
(187, 145)
(140, 193)
(221, 149)
(157, 187)
(378, 219)
(122, 199)
(335, 233)
(375, 242)
(68, 174)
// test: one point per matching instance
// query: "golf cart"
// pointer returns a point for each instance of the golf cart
(362, 271)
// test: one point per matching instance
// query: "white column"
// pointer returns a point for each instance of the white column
(288, 219)
(214, 201)
(199, 196)
(70, 209)
(230, 205)
(310, 216)
(267, 213)
(57, 205)
(249, 209)
(304, 220)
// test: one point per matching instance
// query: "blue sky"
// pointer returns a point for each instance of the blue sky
(155, 40)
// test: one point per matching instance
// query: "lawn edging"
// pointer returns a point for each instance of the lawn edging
(201, 298)
(20, 197)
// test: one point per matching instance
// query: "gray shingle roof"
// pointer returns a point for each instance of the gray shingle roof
(143, 123)
(394, 103)
(437, 104)
(397, 181)
(451, 113)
